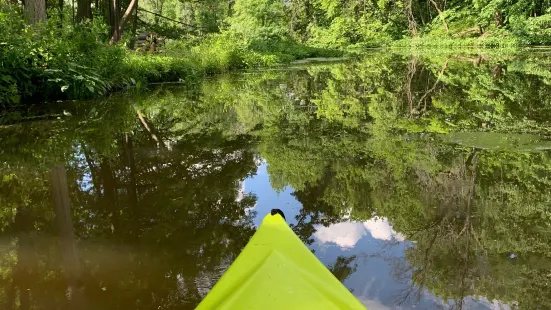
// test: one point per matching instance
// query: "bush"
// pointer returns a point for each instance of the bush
(18, 67)
(229, 50)
(220, 52)
(345, 32)
(44, 62)
(147, 69)
(180, 47)
(534, 30)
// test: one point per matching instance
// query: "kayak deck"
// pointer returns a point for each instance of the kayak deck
(277, 271)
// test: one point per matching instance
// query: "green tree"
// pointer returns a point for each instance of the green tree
(258, 19)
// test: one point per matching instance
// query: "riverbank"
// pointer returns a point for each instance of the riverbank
(59, 80)
(55, 55)
(43, 62)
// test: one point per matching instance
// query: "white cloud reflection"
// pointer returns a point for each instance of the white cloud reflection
(347, 234)
(374, 305)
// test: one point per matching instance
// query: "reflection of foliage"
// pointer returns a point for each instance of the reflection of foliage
(366, 138)
(160, 183)
(435, 144)
(342, 269)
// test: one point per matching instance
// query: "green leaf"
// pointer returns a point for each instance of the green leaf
(64, 88)
(8, 177)
(7, 78)
(15, 99)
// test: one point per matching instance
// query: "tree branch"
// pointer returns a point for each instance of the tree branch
(444, 67)
(441, 15)
(170, 19)
(124, 18)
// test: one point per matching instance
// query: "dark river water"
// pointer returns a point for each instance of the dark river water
(421, 181)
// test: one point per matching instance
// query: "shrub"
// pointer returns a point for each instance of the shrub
(259, 20)
(220, 52)
(154, 69)
(534, 30)
(18, 67)
(44, 62)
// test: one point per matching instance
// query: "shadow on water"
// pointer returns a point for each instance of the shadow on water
(419, 180)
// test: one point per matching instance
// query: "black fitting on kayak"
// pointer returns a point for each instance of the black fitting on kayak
(277, 211)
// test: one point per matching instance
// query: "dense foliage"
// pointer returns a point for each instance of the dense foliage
(335, 23)
(60, 59)
(55, 50)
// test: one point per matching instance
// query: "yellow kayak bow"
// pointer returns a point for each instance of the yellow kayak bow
(277, 271)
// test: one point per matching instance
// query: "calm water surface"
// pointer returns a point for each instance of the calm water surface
(420, 181)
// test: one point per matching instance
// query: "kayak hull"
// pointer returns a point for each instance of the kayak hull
(277, 271)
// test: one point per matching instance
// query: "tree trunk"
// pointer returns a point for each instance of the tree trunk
(147, 125)
(117, 33)
(444, 67)
(497, 71)
(114, 20)
(132, 184)
(67, 240)
(84, 10)
(230, 7)
(110, 193)
(93, 169)
(412, 24)
(62, 206)
(412, 69)
(441, 15)
(60, 13)
(498, 18)
(132, 42)
(35, 11)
